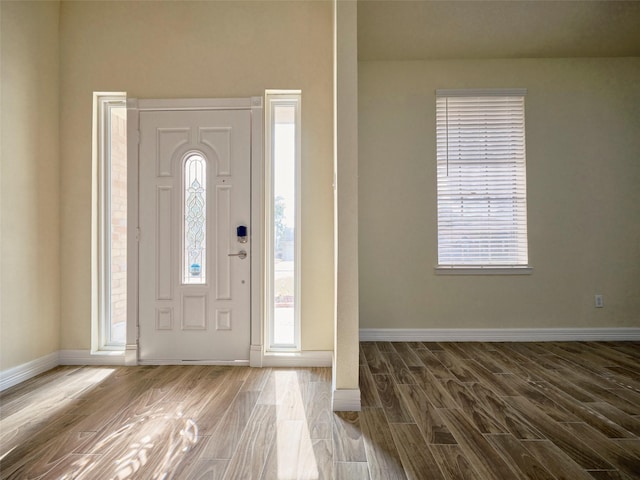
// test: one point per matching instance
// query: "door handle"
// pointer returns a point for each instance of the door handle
(242, 254)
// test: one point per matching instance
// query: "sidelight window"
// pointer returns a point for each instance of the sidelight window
(283, 219)
(110, 221)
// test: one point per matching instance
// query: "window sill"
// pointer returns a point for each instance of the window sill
(482, 270)
(283, 352)
(109, 353)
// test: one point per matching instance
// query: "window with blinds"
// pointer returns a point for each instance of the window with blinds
(481, 174)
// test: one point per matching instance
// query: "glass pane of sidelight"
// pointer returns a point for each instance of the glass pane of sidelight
(284, 217)
(117, 208)
(195, 221)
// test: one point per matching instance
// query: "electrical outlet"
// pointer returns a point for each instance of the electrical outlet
(599, 301)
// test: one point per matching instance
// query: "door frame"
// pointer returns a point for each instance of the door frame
(256, 106)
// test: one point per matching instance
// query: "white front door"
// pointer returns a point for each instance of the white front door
(194, 239)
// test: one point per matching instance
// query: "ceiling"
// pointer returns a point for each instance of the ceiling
(415, 30)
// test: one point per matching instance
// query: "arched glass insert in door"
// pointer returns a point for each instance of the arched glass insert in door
(194, 254)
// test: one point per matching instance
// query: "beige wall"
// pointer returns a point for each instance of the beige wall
(30, 283)
(197, 49)
(583, 177)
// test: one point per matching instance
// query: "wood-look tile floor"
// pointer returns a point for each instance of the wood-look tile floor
(430, 411)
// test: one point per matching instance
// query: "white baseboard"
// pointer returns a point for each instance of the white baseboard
(346, 400)
(16, 375)
(85, 357)
(307, 358)
(131, 355)
(498, 334)
(255, 356)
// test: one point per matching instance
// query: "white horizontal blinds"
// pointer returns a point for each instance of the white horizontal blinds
(481, 172)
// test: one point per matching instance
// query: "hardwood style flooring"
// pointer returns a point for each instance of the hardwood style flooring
(430, 411)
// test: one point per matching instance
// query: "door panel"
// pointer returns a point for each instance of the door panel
(194, 289)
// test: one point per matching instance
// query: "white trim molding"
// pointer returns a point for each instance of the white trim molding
(308, 358)
(86, 357)
(346, 400)
(21, 373)
(499, 334)
(255, 356)
(163, 104)
(466, 270)
(131, 355)
(257, 227)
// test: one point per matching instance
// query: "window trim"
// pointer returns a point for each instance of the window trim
(483, 269)
(101, 342)
(274, 98)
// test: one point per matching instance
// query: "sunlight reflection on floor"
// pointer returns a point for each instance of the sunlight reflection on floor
(49, 400)
(296, 459)
(148, 432)
(156, 440)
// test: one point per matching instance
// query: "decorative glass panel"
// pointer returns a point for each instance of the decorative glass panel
(195, 220)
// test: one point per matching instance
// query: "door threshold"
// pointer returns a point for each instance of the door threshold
(230, 363)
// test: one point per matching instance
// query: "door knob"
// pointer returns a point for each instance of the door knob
(242, 254)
